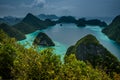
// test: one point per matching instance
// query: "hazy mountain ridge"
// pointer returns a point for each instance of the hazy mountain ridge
(10, 20)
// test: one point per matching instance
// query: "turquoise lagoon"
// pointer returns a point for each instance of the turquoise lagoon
(68, 34)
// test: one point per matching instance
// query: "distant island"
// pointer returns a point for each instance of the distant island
(66, 19)
(31, 23)
(82, 22)
(93, 22)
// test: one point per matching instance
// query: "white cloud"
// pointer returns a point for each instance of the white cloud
(35, 3)
(39, 1)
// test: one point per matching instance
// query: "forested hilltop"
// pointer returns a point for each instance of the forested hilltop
(90, 50)
(113, 29)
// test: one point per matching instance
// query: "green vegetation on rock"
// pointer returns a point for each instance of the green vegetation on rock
(113, 30)
(90, 50)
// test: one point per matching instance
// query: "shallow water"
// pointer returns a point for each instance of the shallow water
(68, 34)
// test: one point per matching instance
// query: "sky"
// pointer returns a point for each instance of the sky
(78, 8)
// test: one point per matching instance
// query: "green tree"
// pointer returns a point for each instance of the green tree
(36, 66)
(74, 69)
(7, 55)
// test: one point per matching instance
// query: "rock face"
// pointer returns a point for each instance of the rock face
(113, 30)
(12, 32)
(89, 49)
(43, 40)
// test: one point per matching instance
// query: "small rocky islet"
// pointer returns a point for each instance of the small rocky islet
(43, 40)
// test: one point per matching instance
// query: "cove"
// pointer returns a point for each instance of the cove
(68, 34)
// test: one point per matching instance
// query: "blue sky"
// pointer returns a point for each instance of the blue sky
(79, 8)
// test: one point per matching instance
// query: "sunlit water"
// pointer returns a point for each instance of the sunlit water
(68, 34)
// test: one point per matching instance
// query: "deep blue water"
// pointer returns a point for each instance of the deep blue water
(68, 34)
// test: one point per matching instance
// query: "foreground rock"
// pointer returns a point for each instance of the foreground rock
(113, 30)
(43, 40)
(90, 50)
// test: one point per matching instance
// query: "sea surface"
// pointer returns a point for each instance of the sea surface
(68, 34)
